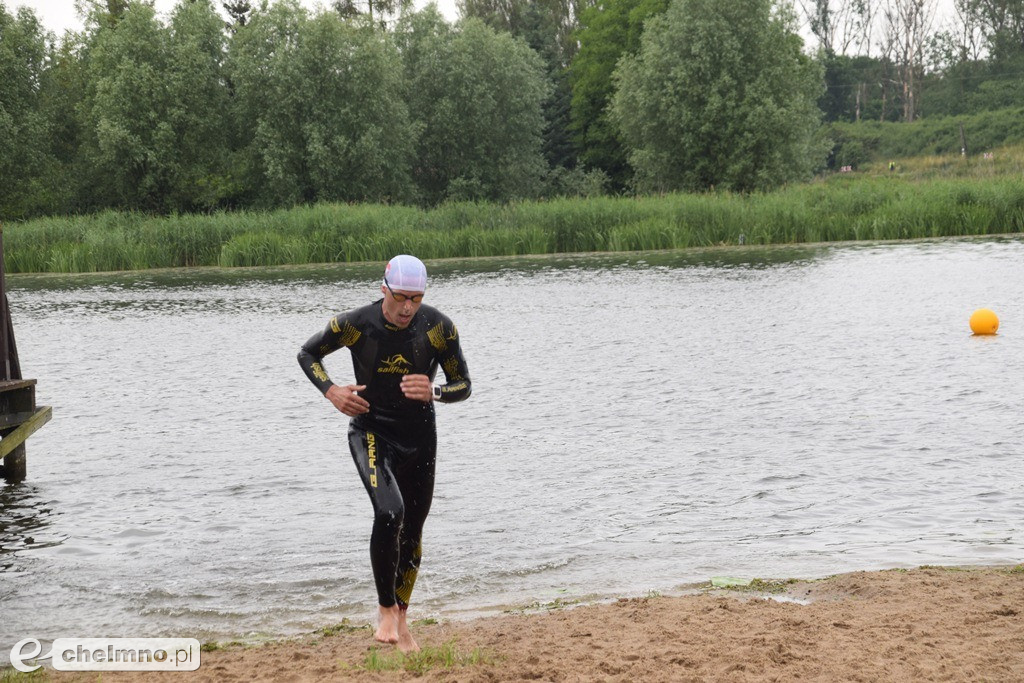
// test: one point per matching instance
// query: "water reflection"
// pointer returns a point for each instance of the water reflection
(241, 290)
(129, 284)
(26, 519)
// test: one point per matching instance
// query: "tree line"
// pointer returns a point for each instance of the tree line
(369, 101)
(901, 60)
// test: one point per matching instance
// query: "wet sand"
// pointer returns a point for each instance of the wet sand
(927, 624)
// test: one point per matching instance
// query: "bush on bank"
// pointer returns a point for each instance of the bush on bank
(856, 144)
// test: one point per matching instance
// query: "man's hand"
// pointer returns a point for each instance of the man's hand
(418, 388)
(347, 400)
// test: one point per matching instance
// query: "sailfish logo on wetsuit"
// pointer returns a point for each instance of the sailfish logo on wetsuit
(395, 365)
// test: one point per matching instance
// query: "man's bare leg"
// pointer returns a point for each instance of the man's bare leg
(406, 643)
(387, 626)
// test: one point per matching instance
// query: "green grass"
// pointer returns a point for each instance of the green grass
(537, 606)
(770, 586)
(344, 627)
(214, 646)
(858, 143)
(943, 568)
(446, 656)
(762, 586)
(937, 196)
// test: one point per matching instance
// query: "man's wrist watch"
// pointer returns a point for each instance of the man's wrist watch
(437, 392)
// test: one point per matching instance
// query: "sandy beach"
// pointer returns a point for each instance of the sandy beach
(925, 624)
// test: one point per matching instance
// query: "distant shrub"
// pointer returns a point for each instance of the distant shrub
(857, 143)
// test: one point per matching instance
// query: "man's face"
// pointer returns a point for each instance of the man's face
(400, 313)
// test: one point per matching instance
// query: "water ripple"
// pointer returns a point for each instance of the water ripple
(638, 422)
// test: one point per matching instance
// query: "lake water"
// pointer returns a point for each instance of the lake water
(639, 422)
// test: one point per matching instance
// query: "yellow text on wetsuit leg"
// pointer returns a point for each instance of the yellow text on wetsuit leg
(371, 451)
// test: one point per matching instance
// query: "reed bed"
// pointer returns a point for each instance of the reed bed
(853, 206)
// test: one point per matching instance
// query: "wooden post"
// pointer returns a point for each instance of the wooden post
(19, 419)
(19, 415)
(10, 368)
(963, 141)
(5, 356)
(15, 466)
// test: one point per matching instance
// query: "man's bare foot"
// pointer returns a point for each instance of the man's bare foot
(406, 643)
(387, 627)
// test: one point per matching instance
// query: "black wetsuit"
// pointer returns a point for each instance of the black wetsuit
(394, 444)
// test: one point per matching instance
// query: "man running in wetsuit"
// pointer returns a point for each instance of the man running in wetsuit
(397, 345)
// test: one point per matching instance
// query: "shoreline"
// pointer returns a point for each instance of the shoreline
(449, 261)
(929, 623)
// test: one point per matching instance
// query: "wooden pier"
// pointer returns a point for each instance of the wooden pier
(19, 414)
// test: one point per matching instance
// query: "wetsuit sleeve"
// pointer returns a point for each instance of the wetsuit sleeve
(457, 385)
(338, 333)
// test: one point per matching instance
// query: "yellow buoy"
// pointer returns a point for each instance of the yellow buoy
(984, 321)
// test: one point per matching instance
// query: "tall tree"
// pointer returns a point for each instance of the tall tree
(378, 12)
(607, 31)
(107, 13)
(117, 8)
(127, 139)
(547, 26)
(908, 28)
(62, 94)
(475, 95)
(966, 34)
(320, 110)
(1004, 25)
(833, 22)
(239, 11)
(197, 111)
(153, 112)
(854, 87)
(720, 95)
(24, 161)
(957, 51)
(865, 16)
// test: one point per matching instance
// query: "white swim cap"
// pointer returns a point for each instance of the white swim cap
(406, 272)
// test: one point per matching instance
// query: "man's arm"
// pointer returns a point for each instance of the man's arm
(445, 340)
(337, 334)
(457, 386)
